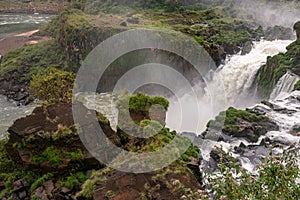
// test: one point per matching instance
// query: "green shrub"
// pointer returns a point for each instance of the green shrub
(229, 119)
(74, 181)
(141, 102)
(52, 85)
(41, 181)
(51, 155)
(74, 155)
(276, 179)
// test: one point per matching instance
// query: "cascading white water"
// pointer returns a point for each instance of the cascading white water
(239, 72)
(10, 112)
(284, 86)
(235, 78)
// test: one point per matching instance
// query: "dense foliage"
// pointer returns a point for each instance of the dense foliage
(52, 85)
(276, 178)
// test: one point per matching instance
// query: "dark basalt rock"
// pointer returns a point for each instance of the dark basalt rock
(38, 131)
(250, 131)
(295, 129)
(247, 48)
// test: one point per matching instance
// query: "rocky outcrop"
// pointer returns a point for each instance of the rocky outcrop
(248, 124)
(46, 148)
(47, 141)
(10, 87)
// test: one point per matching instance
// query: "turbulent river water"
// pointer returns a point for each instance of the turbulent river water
(17, 23)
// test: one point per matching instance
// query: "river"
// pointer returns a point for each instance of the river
(13, 23)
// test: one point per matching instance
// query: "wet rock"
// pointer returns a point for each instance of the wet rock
(22, 195)
(278, 33)
(65, 190)
(214, 136)
(49, 187)
(189, 135)
(119, 185)
(295, 129)
(297, 29)
(246, 48)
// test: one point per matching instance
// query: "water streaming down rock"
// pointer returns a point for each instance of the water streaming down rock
(240, 70)
(284, 86)
(232, 79)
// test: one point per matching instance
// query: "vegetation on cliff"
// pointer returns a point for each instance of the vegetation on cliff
(52, 85)
(242, 123)
(276, 66)
(50, 161)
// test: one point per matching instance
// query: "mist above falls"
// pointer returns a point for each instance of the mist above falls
(267, 13)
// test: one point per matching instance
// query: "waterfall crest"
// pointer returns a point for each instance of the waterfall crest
(239, 72)
(284, 86)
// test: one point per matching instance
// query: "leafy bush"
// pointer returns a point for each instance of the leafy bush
(228, 119)
(52, 85)
(74, 180)
(276, 179)
(141, 102)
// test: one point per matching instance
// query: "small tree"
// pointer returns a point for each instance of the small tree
(52, 85)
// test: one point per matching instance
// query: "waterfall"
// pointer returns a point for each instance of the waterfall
(236, 75)
(284, 86)
(239, 72)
